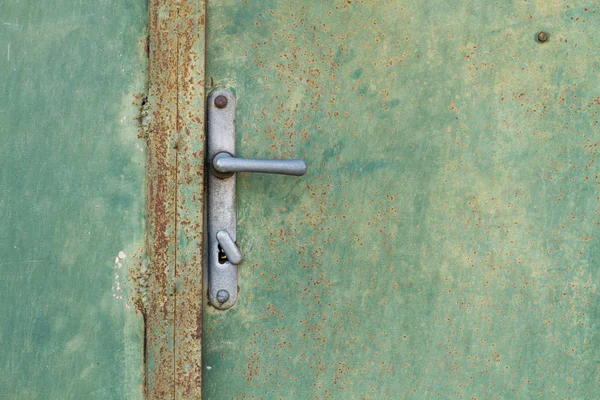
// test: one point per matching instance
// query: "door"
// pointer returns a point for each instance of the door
(444, 242)
(72, 199)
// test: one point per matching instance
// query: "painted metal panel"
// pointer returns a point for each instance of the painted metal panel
(72, 184)
(445, 240)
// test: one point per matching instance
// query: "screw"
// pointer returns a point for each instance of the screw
(221, 101)
(542, 37)
(222, 296)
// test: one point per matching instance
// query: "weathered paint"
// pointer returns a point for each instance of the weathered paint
(71, 208)
(445, 240)
(174, 126)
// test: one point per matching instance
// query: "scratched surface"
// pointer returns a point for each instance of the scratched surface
(174, 128)
(72, 195)
(445, 241)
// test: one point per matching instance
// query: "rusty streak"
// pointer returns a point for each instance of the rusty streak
(175, 132)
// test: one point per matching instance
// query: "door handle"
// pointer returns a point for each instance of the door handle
(225, 164)
(223, 253)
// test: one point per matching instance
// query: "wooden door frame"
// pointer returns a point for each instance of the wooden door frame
(174, 126)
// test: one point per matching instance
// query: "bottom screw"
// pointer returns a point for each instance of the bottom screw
(542, 37)
(222, 296)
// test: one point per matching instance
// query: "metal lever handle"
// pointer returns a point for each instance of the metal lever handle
(226, 164)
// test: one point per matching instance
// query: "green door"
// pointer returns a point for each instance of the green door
(72, 199)
(444, 242)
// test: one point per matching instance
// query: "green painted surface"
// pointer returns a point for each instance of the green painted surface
(445, 240)
(72, 179)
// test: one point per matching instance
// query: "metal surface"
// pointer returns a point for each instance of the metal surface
(221, 200)
(447, 242)
(72, 200)
(222, 296)
(225, 163)
(233, 254)
(174, 128)
(222, 272)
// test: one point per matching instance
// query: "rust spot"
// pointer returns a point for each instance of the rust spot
(140, 100)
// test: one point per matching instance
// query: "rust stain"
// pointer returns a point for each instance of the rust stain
(395, 269)
(175, 132)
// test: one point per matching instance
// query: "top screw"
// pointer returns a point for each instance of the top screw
(221, 101)
(542, 37)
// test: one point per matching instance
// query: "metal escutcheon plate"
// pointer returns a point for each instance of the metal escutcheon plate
(222, 274)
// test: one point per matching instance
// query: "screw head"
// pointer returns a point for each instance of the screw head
(222, 296)
(221, 101)
(542, 37)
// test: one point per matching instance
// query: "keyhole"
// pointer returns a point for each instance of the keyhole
(222, 256)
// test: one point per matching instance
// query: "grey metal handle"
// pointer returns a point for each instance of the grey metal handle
(233, 253)
(225, 163)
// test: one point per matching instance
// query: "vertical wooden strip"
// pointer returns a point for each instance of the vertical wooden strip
(175, 129)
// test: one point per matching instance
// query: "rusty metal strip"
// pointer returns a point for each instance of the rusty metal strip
(175, 132)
